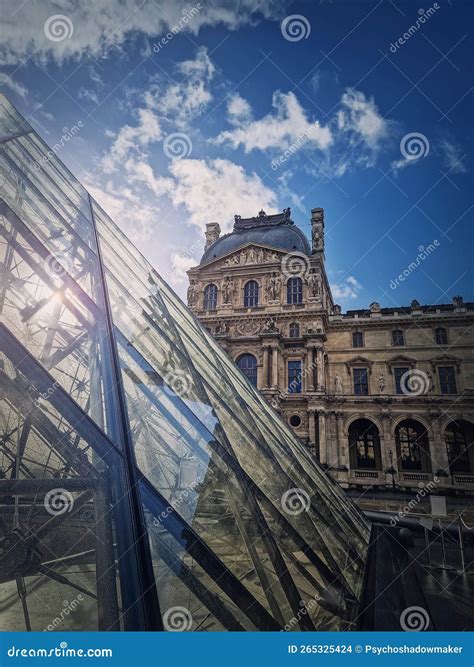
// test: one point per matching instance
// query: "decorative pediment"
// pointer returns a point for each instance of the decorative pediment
(445, 359)
(250, 254)
(359, 362)
(401, 360)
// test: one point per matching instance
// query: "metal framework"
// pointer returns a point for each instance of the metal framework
(140, 473)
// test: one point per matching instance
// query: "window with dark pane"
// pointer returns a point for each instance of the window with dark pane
(251, 294)
(210, 297)
(361, 382)
(294, 290)
(294, 376)
(398, 338)
(357, 339)
(248, 365)
(294, 330)
(441, 336)
(398, 373)
(447, 380)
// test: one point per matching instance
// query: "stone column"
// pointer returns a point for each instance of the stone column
(342, 447)
(309, 369)
(275, 366)
(265, 367)
(311, 426)
(386, 443)
(438, 450)
(321, 369)
(323, 449)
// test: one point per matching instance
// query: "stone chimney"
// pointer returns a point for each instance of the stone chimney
(317, 229)
(213, 231)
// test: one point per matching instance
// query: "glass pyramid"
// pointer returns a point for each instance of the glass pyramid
(144, 483)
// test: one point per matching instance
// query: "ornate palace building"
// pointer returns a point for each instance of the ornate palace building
(383, 397)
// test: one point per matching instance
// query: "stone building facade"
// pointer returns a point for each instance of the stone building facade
(383, 397)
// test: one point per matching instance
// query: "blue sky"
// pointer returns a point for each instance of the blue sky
(190, 112)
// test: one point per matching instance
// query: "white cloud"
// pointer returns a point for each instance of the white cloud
(217, 190)
(286, 125)
(87, 94)
(348, 289)
(103, 25)
(454, 157)
(238, 109)
(361, 117)
(185, 100)
(179, 265)
(15, 86)
(130, 140)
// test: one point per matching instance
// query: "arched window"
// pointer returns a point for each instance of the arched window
(248, 365)
(412, 446)
(459, 439)
(294, 330)
(441, 336)
(251, 294)
(364, 445)
(294, 290)
(210, 297)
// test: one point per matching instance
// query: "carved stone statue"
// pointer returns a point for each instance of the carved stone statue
(381, 381)
(374, 307)
(317, 229)
(458, 301)
(270, 325)
(192, 293)
(314, 283)
(338, 389)
(227, 289)
(337, 309)
(274, 287)
(222, 328)
(415, 304)
(251, 256)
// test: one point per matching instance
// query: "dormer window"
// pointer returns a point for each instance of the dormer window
(210, 297)
(251, 294)
(294, 290)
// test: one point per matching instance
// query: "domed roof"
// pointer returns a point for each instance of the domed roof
(278, 231)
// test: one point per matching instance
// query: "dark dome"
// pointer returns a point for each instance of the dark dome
(276, 231)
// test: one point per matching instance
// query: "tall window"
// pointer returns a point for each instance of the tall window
(398, 338)
(412, 445)
(248, 365)
(364, 444)
(294, 290)
(357, 339)
(361, 382)
(294, 377)
(447, 380)
(251, 294)
(210, 297)
(441, 336)
(459, 440)
(398, 373)
(294, 330)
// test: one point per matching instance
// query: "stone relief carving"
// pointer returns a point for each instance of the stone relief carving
(227, 290)
(314, 284)
(248, 328)
(251, 255)
(222, 328)
(274, 287)
(381, 383)
(192, 293)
